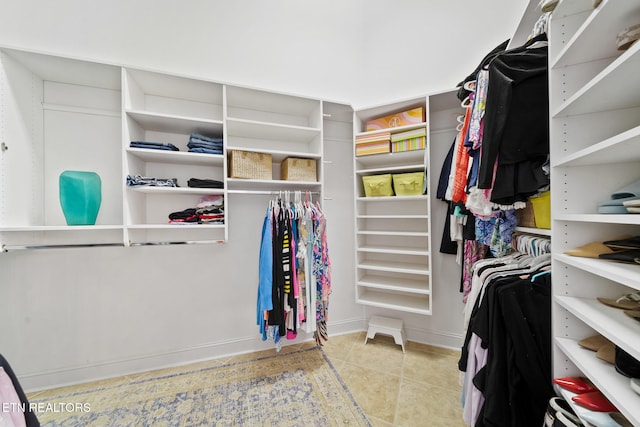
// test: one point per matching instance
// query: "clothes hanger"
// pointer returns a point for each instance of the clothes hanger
(542, 273)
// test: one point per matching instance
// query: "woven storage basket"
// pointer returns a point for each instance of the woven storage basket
(293, 169)
(250, 165)
(525, 216)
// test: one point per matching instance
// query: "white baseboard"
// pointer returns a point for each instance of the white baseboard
(435, 338)
(135, 364)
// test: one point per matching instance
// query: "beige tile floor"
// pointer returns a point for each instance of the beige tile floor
(412, 389)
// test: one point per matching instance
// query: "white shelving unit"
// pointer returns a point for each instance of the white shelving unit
(395, 261)
(393, 255)
(595, 122)
(168, 109)
(69, 114)
(276, 124)
(57, 114)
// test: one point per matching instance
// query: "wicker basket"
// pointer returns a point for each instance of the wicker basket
(250, 165)
(525, 217)
(293, 169)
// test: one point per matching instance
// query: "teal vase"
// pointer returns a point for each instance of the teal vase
(80, 197)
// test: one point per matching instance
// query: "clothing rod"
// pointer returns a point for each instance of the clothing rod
(268, 193)
(187, 242)
(7, 248)
(447, 130)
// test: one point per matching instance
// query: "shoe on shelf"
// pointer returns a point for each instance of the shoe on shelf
(626, 364)
(593, 342)
(559, 410)
(607, 353)
(628, 36)
(564, 421)
(590, 250)
(596, 401)
(576, 385)
(625, 302)
(548, 5)
(634, 314)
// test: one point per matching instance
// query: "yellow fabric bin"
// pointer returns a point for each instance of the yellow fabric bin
(542, 209)
(408, 184)
(377, 185)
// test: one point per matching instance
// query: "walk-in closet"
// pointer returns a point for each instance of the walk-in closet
(320, 213)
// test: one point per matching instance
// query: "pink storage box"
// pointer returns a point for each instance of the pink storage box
(409, 117)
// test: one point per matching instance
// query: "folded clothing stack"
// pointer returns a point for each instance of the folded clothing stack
(145, 181)
(210, 210)
(204, 183)
(154, 145)
(187, 216)
(625, 200)
(203, 144)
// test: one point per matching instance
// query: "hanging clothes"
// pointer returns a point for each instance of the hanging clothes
(516, 130)
(294, 281)
(506, 356)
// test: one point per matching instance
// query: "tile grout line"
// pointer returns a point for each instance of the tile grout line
(395, 413)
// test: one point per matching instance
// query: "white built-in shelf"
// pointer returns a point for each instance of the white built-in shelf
(176, 157)
(393, 243)
(172, 123)
(391, 169)
(604, 376)
(395, 284)
(395, 267)
(605, 91)
(621, 148)
(410, 303)
(392, 216)
(572, 7)
(393, 250)
(118, 104)
(69, 70)
(270, 131)
(631, 219)
(391, 198)
(388, 160)
(167, 226)
(594, 144)
(531, 230)
(65, 228)
(266, 184)
(393, 233)
(626, 274)
(608, 321)
(176, 190)
(151, 90)
(589, 43)
(247, 103)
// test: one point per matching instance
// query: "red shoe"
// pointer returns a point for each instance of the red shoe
(594, 401)
(577, 385)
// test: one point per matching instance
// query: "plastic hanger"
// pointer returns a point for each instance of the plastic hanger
(542, 273)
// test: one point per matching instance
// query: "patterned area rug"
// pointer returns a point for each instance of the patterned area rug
(299, 388)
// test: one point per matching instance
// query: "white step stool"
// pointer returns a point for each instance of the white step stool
(386, 326)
